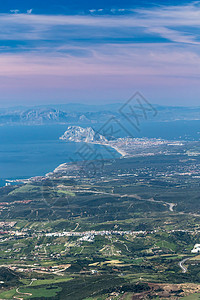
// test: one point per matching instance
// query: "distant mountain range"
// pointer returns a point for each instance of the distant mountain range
(79, 114)
(40, 116)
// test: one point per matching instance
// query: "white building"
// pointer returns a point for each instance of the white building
(196, 249)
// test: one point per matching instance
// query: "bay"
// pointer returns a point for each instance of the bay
(27, 151)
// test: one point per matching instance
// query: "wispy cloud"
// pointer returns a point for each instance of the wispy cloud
(174, 35)
(29, 11)
(155, 45)
(15, 11)
(170, 22)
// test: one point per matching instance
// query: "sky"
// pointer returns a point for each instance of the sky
(61, 51)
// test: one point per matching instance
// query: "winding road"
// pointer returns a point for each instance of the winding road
(181, 264)
(135, 196)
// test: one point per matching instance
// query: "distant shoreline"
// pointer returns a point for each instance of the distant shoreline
(120, 151)
(117, 149)
(61, 166)
(57, 169)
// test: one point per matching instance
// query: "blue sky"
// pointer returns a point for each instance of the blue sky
(80, 6)
(99, 51)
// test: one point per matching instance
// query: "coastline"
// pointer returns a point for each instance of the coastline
(120, 151)
(61, 167)
(116, 148)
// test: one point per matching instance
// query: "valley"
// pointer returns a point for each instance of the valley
(128, 228)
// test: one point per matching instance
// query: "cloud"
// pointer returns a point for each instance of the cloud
(177, 24)
(174, 35)
(29, 11)
(124, 60)
(120, 43)
(143, 46)
(15, 11)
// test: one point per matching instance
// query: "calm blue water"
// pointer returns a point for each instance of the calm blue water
(27, 151)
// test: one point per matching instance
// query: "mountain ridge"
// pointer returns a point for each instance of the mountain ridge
(92, 114)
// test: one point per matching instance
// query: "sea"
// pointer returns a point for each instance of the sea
(28, 151)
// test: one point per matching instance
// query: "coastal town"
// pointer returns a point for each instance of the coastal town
(130, 221)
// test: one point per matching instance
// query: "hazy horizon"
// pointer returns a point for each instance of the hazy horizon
(52, 105)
